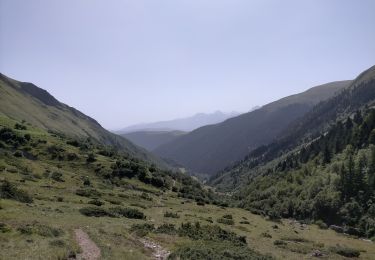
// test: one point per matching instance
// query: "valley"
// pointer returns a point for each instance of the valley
(67, 196)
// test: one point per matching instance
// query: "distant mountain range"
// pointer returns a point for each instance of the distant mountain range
(181, 124)
(210, 149)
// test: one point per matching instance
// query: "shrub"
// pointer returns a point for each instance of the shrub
(166, 229)
(57, 176)
(40, 229)
(4, 228)
(86, 181)
(72, 156)
(345, 251)
(279, 243)
(91, 158)
(266, 235)
(321, 224)
(74, 143)
(200, 203)
(20, 127)
(114, 201)
(18, 154)
(216, 251)
(57, 243)
(142, 230)
(209, 232)
(127, 213)
(225, 221)
(138, 205)
(96, 202)
(10, 191)
(88, 193)
(95, 212)
(171, 215)
(146, 196)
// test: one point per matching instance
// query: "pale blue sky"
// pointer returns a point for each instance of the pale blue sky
(124, 62)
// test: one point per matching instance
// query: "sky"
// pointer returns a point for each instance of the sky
(125, 62)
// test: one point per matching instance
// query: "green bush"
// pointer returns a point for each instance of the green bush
(142, 230)
(90, 193)
(10, 191)
(279, 243)
(216, 251)
(95, 212)
(169, 229)
(91, 158)
(225, 221)
(321, 224)
(57, 243)
(57, 176)
(4, 228)
(169, 214)
(41, 230)
(345, 251)
(96, 202)
(127, 213)
(209, 232)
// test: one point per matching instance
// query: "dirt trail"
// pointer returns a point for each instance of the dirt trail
(158, 252)
(90, 251)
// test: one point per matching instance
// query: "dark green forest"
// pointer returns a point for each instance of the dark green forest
(331, 179)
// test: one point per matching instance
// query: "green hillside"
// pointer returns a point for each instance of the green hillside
(212, 148)
(321, 170)
(26, 102)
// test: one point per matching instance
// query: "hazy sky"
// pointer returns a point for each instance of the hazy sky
(124, 62)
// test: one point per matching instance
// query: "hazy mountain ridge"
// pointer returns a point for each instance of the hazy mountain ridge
(181, 124)
(211, 148)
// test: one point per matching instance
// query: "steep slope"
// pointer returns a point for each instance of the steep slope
(152, 139)
(25, 101)
(359, 95)
(321, 168)
(182, 124)
(211, 148)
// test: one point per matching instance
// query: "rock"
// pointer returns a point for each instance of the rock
(338, 229)
(317, 253)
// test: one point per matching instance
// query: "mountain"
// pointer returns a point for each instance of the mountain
(321, 168)
(150, 140)
(25, 101)
(63, 198)
(182, 124)
(212, 148)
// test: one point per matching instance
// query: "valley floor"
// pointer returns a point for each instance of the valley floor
(285, 240)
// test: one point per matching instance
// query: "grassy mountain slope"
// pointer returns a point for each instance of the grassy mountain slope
(150, 140)
(25, 101)
(211, 148)
(51, 186)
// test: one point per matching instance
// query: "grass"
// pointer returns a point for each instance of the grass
(44, 229)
